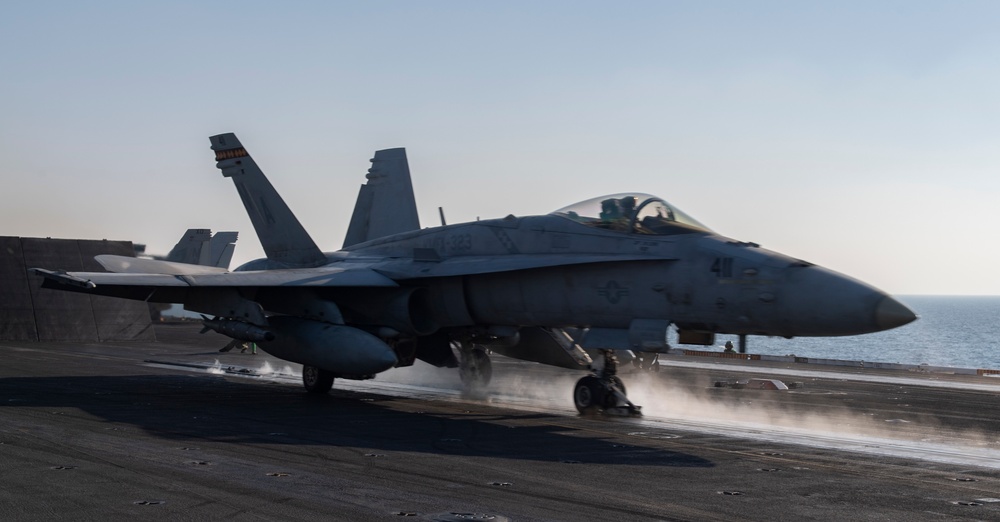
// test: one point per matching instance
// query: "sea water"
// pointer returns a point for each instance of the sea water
(958, 331)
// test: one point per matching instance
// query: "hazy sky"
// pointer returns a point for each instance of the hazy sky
(862, 136)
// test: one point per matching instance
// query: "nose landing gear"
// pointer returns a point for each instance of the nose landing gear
(603, 391)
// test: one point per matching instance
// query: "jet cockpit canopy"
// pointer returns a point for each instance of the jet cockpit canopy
(632, 213)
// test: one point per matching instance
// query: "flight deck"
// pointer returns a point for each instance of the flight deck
(175, 429)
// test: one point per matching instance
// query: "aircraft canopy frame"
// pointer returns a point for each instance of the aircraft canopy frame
(632, 213)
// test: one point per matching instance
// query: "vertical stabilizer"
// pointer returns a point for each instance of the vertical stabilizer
(280, 233)
(385, 204)
(199, 247)
(189, 249)
(221, 248)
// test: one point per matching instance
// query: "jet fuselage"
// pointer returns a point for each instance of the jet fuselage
(697, 280)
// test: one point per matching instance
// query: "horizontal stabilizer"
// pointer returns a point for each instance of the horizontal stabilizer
(385, 204)
(282, 236)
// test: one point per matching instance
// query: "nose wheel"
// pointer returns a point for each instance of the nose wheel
(603, 392)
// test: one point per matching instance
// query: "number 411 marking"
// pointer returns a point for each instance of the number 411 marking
(723, 267)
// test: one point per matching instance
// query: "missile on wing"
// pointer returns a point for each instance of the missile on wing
(237, 330)
(339, 349)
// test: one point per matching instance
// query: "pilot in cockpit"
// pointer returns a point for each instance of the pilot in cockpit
(610, 211)
(617, 213)
(628, 207)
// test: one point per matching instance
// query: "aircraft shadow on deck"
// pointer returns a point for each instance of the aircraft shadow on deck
(188, 408)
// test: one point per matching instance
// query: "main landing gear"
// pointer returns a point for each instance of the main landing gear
(474, 367)
(316, 380)
(603, 391)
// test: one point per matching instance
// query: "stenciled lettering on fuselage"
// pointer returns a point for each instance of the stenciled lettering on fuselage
(722, 267)
(452, 244)
(646, 246)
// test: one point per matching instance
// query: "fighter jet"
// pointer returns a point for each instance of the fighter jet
(570, 288)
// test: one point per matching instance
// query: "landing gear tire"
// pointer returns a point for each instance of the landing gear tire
(603, 391)
(316, 380)
(475, 369)
(589, 395)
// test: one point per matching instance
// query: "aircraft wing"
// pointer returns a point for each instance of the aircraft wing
(138, 265)
(316, 277)
(135, 276)
(198, 275)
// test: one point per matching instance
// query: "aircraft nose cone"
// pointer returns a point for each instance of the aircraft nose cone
(890, 313)
(821, 302)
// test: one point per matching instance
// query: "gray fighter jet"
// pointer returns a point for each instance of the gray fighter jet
(570, 288)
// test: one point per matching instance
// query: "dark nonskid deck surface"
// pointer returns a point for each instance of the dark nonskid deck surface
(175, 429)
